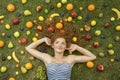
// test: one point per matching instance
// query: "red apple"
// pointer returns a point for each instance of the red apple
(107, 25)
(38, 8)
(88, 37)
(96, 44)
(73, 14)
(62, 31)
(50, 29)
(100, 67)
(23, 40)
(15, 21)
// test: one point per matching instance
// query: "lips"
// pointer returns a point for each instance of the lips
(59, 48)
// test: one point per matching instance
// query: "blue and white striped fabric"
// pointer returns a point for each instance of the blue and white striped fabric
(60, 71)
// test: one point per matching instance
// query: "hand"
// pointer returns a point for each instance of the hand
(47, 41)
(72, 47)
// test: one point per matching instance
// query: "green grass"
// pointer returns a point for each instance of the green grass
(80, 71)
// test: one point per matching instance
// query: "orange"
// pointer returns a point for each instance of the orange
(69, 6)
(11, 78)
(29, 24)
(28, 66)
(1, 43)
(91, 7)
(59, 25)
(10, 7)
(90, 64)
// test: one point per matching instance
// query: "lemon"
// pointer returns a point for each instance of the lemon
(34, 39)
(59, 5)
(7, 26)
(74, 39)
(117, 28)
(41, 18)
(93, 23)
(69, 19)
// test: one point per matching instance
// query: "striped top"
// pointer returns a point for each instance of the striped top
(59, 71)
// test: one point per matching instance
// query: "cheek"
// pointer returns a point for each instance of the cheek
(64, 46)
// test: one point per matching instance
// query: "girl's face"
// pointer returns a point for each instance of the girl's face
(59, 45)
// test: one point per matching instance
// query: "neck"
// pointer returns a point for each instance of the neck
(58, 55)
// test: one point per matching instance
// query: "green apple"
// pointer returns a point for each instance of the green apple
(28, 32)
(3, 69)
(98, 32)
(64, 1)
(110, 46)
(79, 18)
(46, 11)
(16, 34)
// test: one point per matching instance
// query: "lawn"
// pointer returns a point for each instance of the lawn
(101, 22)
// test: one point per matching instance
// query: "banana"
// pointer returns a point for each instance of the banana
(1, 17)
(117, 12)
(15, 57)
(54, 15)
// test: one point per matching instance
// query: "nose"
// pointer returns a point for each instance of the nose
(60, 45)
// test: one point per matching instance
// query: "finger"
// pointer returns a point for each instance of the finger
(73, 49)
(48, 43)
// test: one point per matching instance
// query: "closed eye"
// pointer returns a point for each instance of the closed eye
(63, 43)
(56, 42)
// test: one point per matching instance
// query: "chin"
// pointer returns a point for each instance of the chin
(59, 51)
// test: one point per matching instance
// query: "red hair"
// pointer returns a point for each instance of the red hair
(69, 31)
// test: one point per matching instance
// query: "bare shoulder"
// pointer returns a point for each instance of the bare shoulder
(70, 59)
(47, 57)
(71, 56)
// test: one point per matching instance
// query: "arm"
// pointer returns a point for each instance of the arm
(87, 55)
(40, 55)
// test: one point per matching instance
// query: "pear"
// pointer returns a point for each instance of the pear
(23, 70)
(10, 45)
(27, 13)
